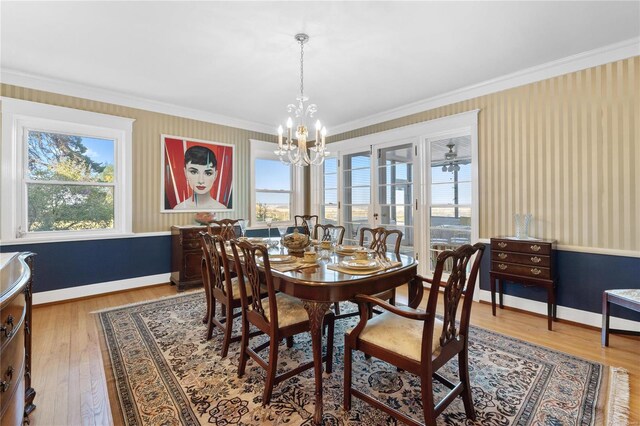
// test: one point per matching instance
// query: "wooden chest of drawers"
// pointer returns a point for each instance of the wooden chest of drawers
(186, 256)
(16, 393)
(528, 262)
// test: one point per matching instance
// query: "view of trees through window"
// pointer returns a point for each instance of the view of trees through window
(70, 182)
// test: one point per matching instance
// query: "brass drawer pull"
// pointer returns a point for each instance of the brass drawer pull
(535, 271)
(5, 328)
(502, 266)
(535, 247)
(502, 244)
(535, 259)
(502, 255)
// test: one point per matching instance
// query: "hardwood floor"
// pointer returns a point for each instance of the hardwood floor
(69, 378)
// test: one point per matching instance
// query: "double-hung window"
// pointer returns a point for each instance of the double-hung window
(276, 188)
(65, 173)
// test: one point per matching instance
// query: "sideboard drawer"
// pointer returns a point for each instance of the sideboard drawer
(522, 258)
(533, 247)
(12, 366)
(11, 317)
(521, 270)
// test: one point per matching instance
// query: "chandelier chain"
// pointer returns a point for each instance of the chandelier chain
(301, 69)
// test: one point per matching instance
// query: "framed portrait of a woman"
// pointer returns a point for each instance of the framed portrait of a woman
(197, 175)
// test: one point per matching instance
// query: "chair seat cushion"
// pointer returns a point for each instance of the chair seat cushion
(632, 294)
(400, 335)
(290, 310)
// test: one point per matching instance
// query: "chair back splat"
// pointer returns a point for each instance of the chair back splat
(327, 232)
(380, 237)
(306, 221)
(229, 228)
(417, 342)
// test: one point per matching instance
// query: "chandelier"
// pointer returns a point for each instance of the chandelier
(296, 151)
(450, 157)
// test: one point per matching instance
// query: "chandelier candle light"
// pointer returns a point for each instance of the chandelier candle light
(296, 152)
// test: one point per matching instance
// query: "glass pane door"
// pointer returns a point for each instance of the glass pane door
(395, 192)
(450, 195)
(356, 194)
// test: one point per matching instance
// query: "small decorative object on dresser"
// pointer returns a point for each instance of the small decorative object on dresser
(524, 261)
(16, 393)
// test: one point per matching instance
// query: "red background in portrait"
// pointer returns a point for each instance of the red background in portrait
(175, 180)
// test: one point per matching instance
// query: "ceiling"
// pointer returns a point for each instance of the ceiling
(239, 60)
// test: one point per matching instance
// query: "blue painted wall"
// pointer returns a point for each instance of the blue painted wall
(76, 263)
(582, 277)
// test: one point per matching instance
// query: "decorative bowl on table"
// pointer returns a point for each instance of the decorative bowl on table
(204, 218)
(296, 242)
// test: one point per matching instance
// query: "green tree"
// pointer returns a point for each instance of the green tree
(53, 207)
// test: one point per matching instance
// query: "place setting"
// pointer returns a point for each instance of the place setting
(361, 263)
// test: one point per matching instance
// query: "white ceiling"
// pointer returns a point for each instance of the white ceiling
(239, 59)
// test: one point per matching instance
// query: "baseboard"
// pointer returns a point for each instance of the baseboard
(98, 288)
(574, 315)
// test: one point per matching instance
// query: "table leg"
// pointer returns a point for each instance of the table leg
(605, 319)
(316, 312)
(493, 295)
(500, 291)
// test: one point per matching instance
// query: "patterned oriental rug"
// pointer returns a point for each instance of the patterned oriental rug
(165, 373)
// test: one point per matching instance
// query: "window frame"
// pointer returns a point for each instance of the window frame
(265, 150)
(18, 117)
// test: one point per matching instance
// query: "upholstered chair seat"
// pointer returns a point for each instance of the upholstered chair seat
(290, 310)
(401, 335)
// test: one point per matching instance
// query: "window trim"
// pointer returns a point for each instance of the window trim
(265, 150)
(18, 115)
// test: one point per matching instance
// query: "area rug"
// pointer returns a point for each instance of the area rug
(165, 373)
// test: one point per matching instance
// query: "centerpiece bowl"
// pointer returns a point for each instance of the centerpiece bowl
(296, 242)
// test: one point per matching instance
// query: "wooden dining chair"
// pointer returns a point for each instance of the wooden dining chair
(226, 228)
(415, 341)
(327, 232)
(307, 222)
(382, 240)
(220, 287)
(278, 315)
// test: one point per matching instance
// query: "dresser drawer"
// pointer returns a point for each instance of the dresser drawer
(525, 259)
(533, 247)
(11, 316)
(192, 234)
(12, 366)
(521, 270)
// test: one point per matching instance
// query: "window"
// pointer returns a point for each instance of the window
(276, 187)
(329, 201)
(65, 172)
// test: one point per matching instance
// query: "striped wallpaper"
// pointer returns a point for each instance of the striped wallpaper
(565, 149)
(146, 154)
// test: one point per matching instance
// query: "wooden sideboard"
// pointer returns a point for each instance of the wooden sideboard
(16, 393)
(186, 256)
(528, 262)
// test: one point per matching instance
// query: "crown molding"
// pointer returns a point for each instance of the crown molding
(591, 58)
(18, 78)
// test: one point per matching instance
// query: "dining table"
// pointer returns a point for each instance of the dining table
(321, 283)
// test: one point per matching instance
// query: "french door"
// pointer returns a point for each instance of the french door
(421, 179)
(378, 190)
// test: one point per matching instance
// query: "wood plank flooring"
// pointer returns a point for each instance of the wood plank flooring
(69, 378)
